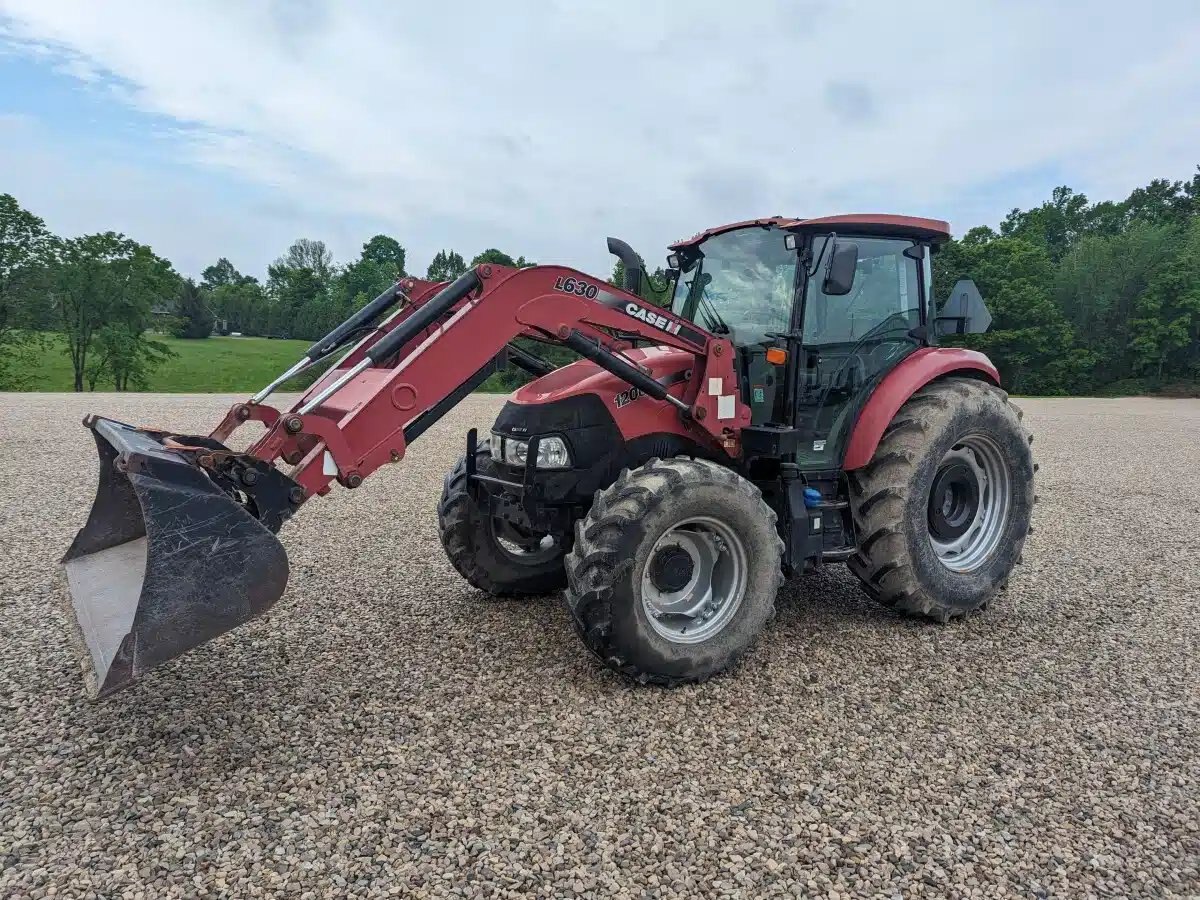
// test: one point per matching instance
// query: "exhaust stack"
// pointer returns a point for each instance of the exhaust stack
(631, 262)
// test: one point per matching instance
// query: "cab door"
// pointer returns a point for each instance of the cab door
(850, 341)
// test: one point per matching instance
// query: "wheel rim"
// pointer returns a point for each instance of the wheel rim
(694, 580)
(525, 547)
(969, 503)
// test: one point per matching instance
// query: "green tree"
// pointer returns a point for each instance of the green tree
(500, 258)
(125, 355)
(240, 307)
(290, 290)
(446, 266)
(236, 300)
(386, 253)
(1164, 202)
(194, 318)
(1030, 340)
(380, 265)
(309, 254)
(219, 274)
(1055, 225)
(1098, 285)
(301, 277)
(1165, 323)
(24, 269)
(106, 280)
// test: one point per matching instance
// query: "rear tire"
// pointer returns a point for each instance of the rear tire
(475, 543)
(947, 557)
(645, 536)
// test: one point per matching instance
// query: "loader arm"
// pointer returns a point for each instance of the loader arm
(180, 545)
(359, 416)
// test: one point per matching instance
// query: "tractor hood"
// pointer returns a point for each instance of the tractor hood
(666, 364)
(606, 424)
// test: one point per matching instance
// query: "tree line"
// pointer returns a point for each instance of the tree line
(1083, 295)
(1089, 296)
(109, 296)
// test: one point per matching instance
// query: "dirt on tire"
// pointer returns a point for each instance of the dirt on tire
(895, 562)
(468, 536)
(610, 552)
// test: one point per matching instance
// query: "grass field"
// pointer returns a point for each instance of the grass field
(237, 364)
(211, 365)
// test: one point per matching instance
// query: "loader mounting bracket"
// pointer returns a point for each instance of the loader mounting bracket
(264, 491)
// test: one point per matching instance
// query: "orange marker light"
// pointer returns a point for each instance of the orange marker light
(776, 356)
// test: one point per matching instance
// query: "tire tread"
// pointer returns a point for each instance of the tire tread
(595, 562)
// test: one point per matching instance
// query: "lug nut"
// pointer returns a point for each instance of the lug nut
(249, 477)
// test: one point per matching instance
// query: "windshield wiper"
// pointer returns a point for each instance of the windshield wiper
(712, 318)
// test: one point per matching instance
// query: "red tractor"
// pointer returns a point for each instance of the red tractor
(788, 410)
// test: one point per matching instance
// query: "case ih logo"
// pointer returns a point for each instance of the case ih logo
(652, 318)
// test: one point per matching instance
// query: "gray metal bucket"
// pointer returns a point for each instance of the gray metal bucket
(166, 561)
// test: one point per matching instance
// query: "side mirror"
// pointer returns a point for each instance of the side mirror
(839, 271)
(964, 311)
(947, 325)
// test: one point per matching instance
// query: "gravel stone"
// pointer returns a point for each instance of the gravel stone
(388, 731)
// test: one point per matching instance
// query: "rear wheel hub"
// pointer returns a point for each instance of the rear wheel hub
(671, 569)
(970, 502)
(953, 501)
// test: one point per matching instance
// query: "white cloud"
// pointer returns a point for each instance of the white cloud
(541, 128)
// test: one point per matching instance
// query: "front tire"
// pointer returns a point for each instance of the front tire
(490, 554)
(674, 571)
(943, 508)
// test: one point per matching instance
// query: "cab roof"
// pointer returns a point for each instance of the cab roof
(933, 230)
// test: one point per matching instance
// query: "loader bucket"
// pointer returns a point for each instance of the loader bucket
(166, 561)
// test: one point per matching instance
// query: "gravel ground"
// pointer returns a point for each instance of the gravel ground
(388, 730)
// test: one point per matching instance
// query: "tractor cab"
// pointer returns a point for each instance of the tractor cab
(818, 310)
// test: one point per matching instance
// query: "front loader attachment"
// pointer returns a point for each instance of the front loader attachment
(167, 560)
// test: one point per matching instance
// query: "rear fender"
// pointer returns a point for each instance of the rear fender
(913, 373)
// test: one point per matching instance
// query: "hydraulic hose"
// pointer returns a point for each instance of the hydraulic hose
(363, 317)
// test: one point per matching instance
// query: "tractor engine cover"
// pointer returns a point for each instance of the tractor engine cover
(606, 424)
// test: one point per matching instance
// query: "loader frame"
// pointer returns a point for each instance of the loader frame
(400, 379)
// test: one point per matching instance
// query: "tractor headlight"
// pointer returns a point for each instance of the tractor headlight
(552, 452)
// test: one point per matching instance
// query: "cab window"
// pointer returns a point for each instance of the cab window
(738, 284)
(884, 298)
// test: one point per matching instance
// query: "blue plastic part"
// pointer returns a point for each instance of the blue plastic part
(812, 497)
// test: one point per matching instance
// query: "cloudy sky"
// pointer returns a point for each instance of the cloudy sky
(230, 127)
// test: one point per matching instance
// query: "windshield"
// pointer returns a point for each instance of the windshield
(738, 284)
